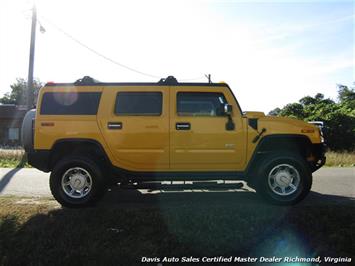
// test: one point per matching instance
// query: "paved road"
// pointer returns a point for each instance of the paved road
(31, 182)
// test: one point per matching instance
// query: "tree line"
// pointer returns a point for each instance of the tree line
(338, 116)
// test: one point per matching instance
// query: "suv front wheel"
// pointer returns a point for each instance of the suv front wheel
(284, 179)
(77, 182)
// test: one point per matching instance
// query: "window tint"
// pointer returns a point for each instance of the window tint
(139, 103)
(70, 103)
(200, 104)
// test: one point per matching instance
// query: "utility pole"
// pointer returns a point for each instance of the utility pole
(31, 61)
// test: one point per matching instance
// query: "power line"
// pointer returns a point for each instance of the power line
(96, 52)
(104, 56)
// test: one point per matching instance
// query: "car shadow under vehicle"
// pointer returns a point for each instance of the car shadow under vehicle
(241, 197)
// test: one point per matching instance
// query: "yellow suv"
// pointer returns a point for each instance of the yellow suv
(90, 134)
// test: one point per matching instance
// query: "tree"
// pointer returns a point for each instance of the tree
(346, 96)
(275, 112)
(294, 110)
(319, 97)
(18, 94)
(308, 100)
(338, 117)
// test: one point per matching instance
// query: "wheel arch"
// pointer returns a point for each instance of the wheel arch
(90, 147)
(290, 143)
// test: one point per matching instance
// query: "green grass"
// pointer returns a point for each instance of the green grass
(11, 163)
(11, 158)
(120, 233)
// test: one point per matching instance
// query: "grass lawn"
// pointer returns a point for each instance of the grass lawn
(11, 158)
(340, 159)
(39, 232)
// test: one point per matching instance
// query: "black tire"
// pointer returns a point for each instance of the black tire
(277, 166)
(77, 164)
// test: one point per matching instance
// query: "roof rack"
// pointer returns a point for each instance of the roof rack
(169, 80)
(86, 80)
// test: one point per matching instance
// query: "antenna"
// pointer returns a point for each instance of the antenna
(208, 76)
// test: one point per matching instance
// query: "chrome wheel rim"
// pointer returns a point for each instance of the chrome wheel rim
(76, 182)
(284, 179)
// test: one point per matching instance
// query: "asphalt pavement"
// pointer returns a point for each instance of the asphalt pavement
(31, 182)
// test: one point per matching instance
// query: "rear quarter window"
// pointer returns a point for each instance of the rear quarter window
(70, 103)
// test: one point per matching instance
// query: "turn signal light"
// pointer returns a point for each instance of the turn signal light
(307, 130)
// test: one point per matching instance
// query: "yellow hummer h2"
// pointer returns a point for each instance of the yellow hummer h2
(91, 134)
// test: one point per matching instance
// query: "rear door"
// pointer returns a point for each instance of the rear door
(135, 124)
(200, 140)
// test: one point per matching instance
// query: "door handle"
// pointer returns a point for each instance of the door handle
(183, 126)
(114, 125)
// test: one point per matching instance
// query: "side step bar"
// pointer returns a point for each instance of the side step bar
(182, 186)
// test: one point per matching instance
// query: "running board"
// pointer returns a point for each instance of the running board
(171, 186)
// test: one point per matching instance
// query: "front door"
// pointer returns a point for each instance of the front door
(199, 138)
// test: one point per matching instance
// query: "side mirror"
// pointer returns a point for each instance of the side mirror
(227, 109)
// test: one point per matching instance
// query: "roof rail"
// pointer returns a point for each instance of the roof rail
(170, 80)
(86, 80)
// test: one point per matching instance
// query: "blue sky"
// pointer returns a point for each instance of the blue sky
(269, 52)
(318, 28)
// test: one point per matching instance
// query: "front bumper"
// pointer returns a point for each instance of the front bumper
(319, 153)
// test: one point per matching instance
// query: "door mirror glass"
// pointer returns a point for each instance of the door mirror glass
(227, 109)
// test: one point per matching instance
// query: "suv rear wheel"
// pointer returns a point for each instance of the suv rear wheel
(77, 182)
(284, 179)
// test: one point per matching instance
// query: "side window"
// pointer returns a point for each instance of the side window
(139, 103)
(200, 103)
(70, 103)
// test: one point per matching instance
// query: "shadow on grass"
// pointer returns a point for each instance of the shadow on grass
(125, 198)
(129, 198)
(129, 225)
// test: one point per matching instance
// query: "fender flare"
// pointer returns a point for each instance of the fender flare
(294, 143)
